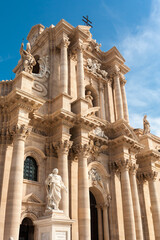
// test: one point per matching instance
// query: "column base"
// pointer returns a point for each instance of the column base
(54, 225)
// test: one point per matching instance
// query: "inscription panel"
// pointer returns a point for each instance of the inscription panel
(61, 235)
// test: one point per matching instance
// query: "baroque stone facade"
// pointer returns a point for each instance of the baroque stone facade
(67, 109)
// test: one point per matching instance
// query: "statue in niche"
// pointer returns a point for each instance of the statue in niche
(89, 98)
(54, 184)
(146, 125)
(27, 58)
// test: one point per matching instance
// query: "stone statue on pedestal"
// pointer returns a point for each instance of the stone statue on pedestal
(146, 125)
(27, 58)
(54, 184)
(89, 98)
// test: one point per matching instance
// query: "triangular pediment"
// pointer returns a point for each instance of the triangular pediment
(120, 128)
(32, 198)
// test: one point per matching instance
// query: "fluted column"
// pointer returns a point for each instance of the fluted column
(80, 72)
(14, 201)
(155, 205)
(124, 99)
(83, 193)
(136, 203)
(64, 66)
(118, 95)
(110, 101)
(101, 96)
(105, 222)
(129, 223)
(100, 229)
(62, 148)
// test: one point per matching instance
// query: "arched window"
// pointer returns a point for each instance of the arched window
(36, 67)
(30, 169)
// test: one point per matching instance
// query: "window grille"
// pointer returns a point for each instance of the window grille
(30, 169)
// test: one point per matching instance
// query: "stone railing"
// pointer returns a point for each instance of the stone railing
(5, 87)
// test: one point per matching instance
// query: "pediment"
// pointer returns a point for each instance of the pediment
(120, 128)
(32, 198)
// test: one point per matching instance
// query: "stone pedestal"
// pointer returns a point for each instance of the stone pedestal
(54, 226)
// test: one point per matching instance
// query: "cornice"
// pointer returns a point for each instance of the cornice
(123, 140)
(144, 155)
(19, 98)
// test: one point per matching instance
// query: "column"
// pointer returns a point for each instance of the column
(100, 229)
(136, 203)
(106, 103)
(110, 101)
(155, 208)
(64, 66)
(62, 148)
(101, 96)
(105, 222)
(118, 95)
(124, 99)
(14, 200)
(80, 72)
(128, 214)
(83, 193)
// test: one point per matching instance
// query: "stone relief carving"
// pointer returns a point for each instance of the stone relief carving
(95, 177)
(98, 132)
(28, 60)
(40, 82)
(54, 184)
(94, 67)
(97, 46)
(146, 125)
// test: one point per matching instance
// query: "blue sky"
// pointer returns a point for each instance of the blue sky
(132, 26)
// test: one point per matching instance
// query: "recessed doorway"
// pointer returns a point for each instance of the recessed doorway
(26, 230)
(94, 217)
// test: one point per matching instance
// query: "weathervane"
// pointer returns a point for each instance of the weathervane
(87, 21)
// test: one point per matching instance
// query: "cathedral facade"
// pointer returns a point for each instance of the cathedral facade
(66, 109)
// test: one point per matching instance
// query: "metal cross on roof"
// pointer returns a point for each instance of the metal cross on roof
(87, 21)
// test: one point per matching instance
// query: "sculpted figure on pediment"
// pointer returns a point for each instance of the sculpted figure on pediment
(54, 185)
(27, 58)
(146, 125)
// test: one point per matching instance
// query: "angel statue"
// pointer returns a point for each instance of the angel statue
(27, 58)
(54, 184)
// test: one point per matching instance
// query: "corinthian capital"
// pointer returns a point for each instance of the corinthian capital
(82, 149)
(21, 131)
(133, 168)
(65, 42)
(151, 175)
(62, 146)
(114, 71)
(123, 165)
